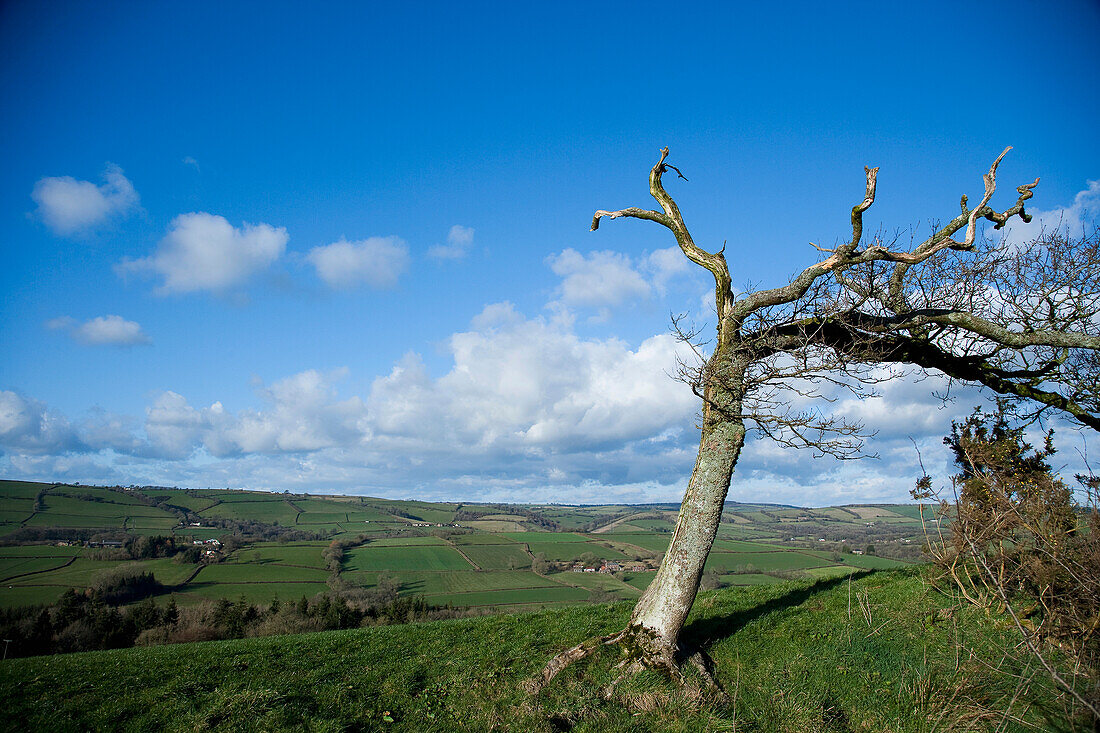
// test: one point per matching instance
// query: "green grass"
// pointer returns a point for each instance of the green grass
(76, 521)
(180, 499)
(267, 553)
(14, 566)
(485, 539)
(750, 579)
(259, 593)
(40, 551)
(779, 560)
(544, 537)
(263, 510)
(405, 558)
(21, 489)
(510, 597)
(29, 595)
(790, 654)
(258, 573)
(652, 542)
(498, 557)
(435, 582)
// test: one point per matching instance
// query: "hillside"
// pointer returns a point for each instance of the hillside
(261, 546)
(877, 653)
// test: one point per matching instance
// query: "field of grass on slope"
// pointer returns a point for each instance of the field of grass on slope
(795, 657)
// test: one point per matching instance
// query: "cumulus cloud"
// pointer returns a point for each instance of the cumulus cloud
(108, 330)
(26, 425)
(459, 241)
(205, 252)
(606, 279)
(599, 279)
(377, 262)
(525, 410)
(71, 207)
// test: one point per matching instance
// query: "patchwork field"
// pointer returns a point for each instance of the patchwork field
(490, 561)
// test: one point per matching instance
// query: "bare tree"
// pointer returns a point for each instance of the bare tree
(1020, 321)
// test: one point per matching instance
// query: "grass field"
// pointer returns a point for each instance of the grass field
(420, 565)
(405, 558)
(497, 557)
(259, 573)
(794, 656)
(545, 594)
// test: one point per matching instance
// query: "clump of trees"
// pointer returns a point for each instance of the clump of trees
(86, 621)
(1022, 544)
(467, 513)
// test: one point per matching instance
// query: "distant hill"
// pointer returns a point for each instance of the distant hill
(265, 545)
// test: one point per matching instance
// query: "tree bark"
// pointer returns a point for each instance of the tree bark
(663, 608)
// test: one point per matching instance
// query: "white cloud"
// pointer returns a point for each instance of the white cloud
(459, 241)
(1073, 220)
(302, 415)
(103, 330)
(527, 410)
(665, 264)
(606, 279)
(189, 161)
(70, 207)
(27, 425)
(205, 252)
(599, 280)
(376, 261)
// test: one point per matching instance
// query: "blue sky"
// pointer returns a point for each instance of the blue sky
(348, 250)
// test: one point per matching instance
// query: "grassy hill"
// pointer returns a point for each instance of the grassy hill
(882, 652)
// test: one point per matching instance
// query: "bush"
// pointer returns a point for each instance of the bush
(1019, 543)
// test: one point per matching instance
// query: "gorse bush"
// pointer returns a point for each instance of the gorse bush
(1020, 543)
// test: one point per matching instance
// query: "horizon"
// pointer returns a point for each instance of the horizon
(349, 250)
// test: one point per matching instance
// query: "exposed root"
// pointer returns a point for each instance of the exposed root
(643, 651)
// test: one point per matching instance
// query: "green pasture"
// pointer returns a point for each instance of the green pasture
(70, 506)
(406, 541)
(321, 518)
(116, 497)
(779, 560)
(363, 514)
(230, 572)
(269, 511)
(435, 513)
(545, 537)
(39, 551)
(178, 498)
(13, 566)
(572, 551)
(652, 542)
(748, 579)
(13, 596)
(426, 557)
(479, 538)
(76, 521)
(506, 597)
(260, 593)
(597, 581)
(21, 489)
(15, 516)
(16, 504)
(498, 557)
(436, 582)
(266, 553)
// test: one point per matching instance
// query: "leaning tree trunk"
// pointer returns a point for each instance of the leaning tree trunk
(663, 608)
